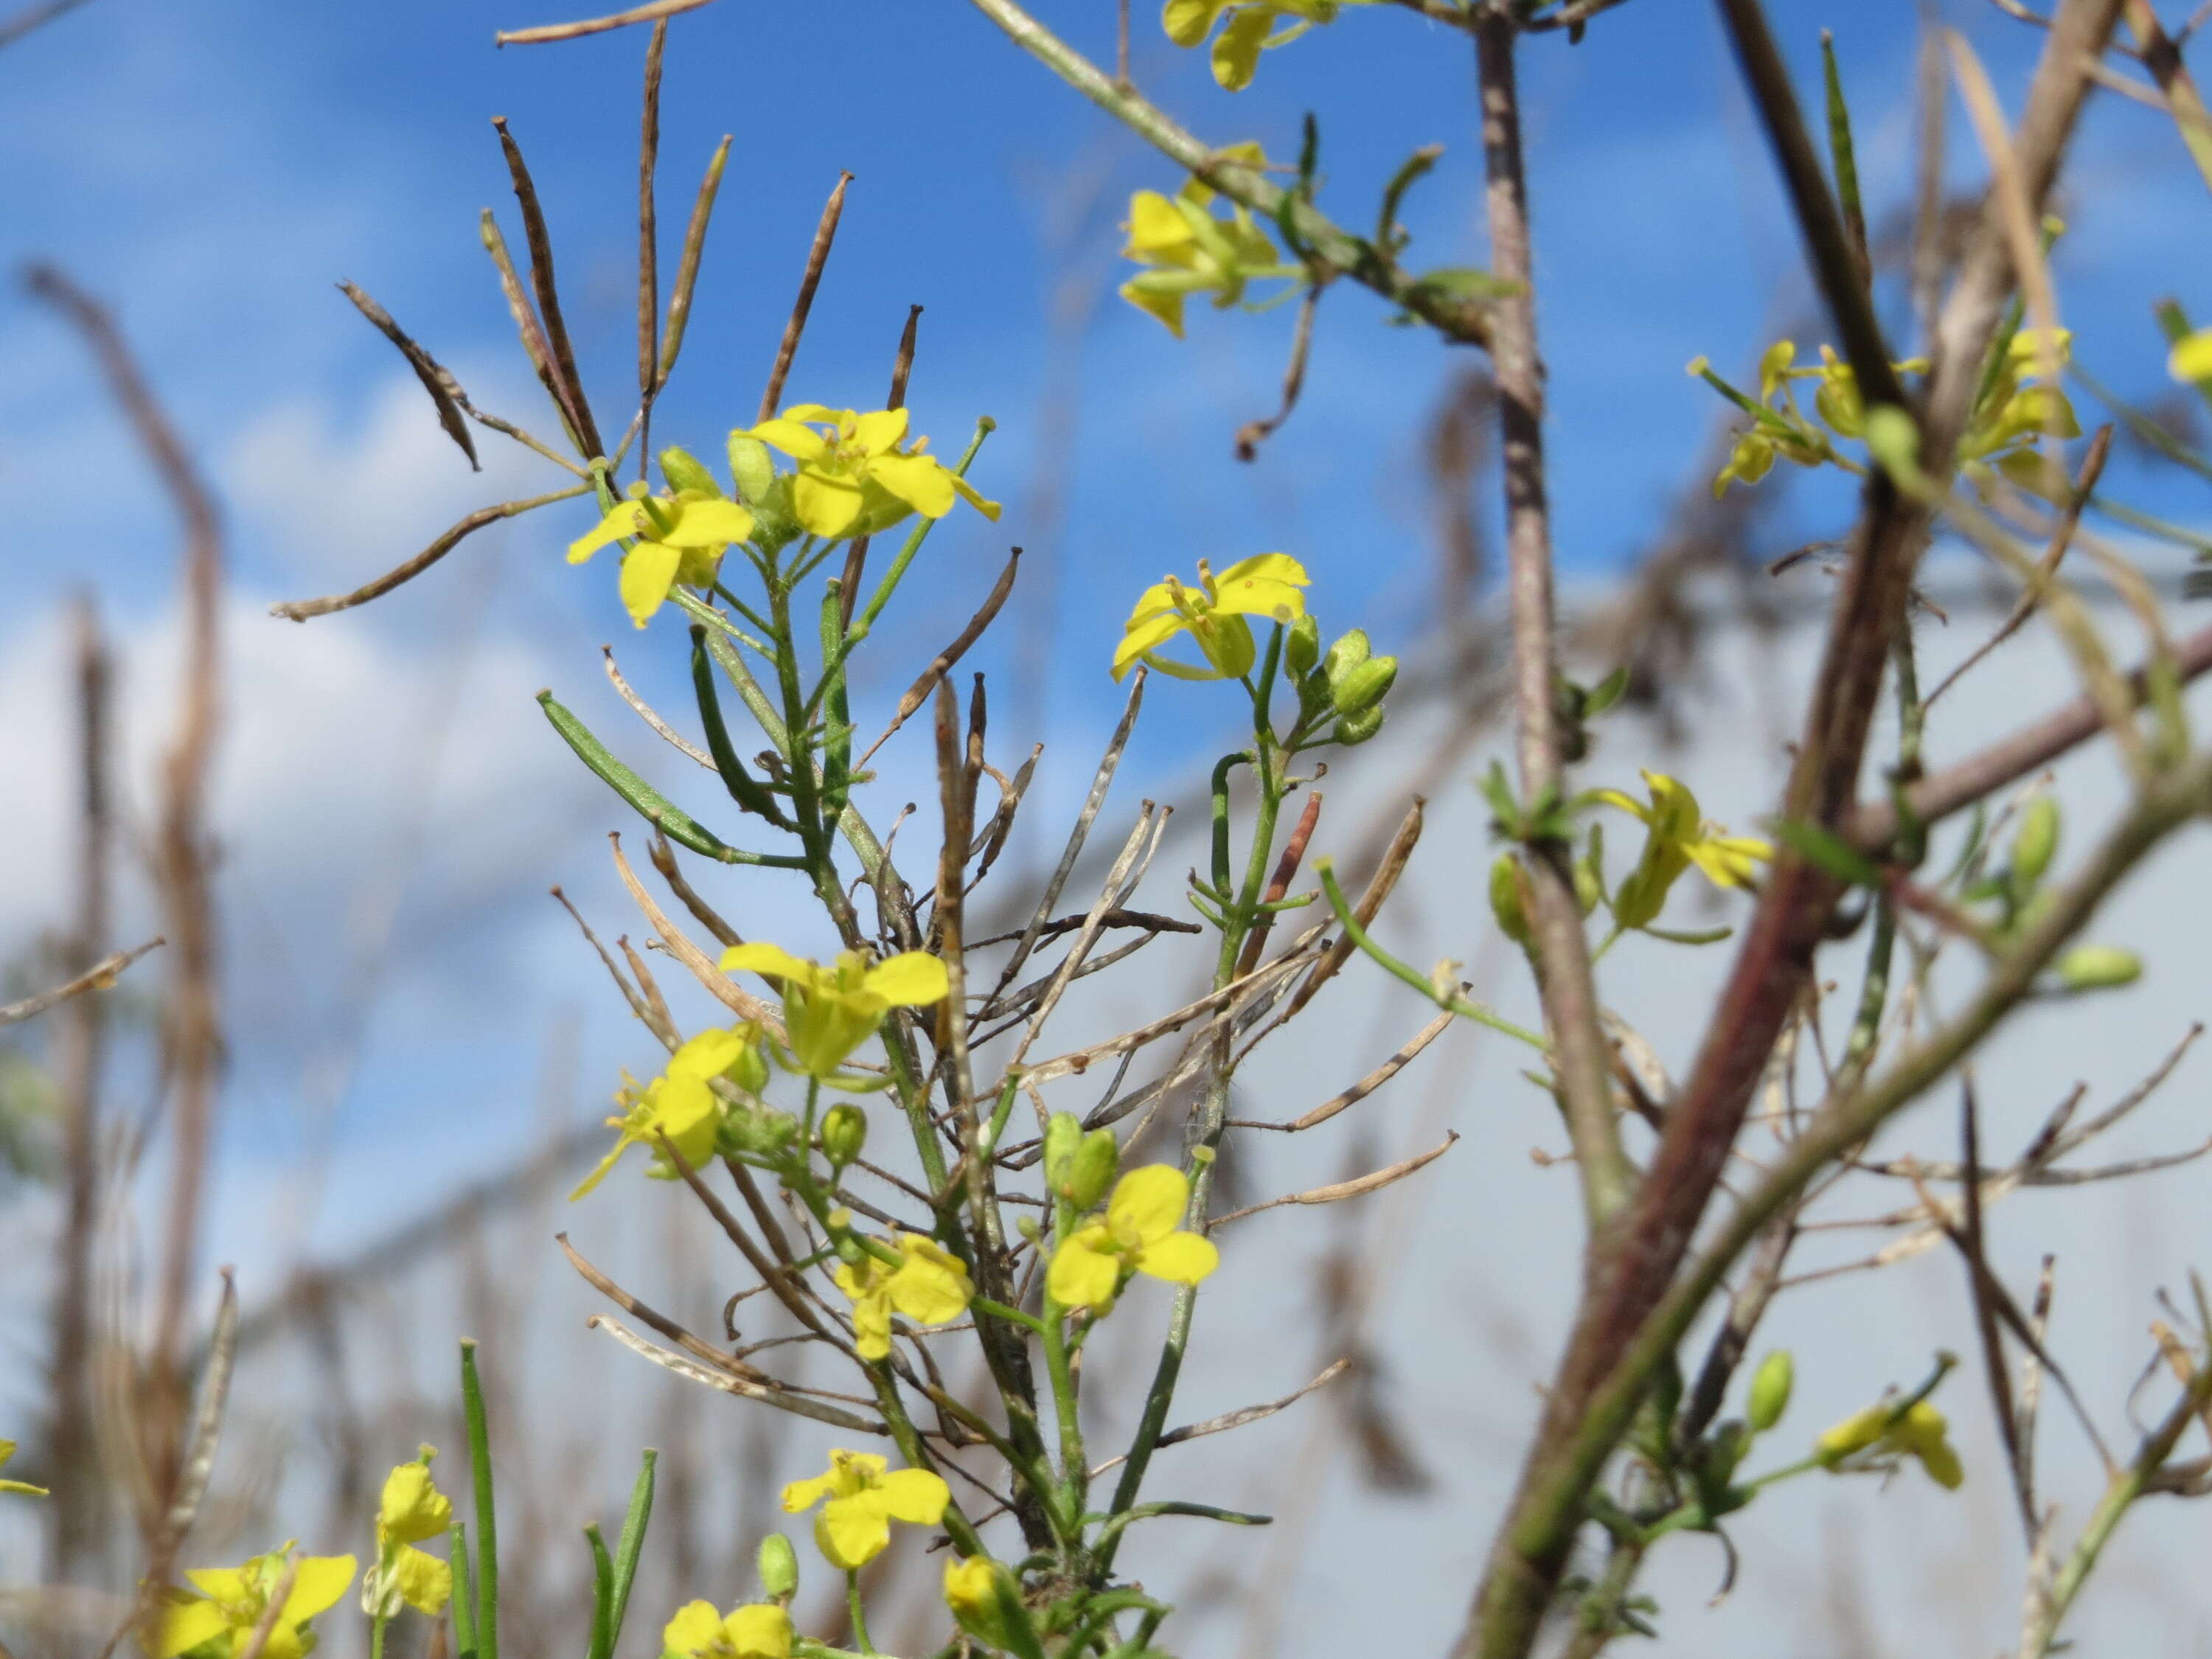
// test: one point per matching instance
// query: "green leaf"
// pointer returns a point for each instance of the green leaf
(1828, 851)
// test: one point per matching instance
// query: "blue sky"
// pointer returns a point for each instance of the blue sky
(391, 822)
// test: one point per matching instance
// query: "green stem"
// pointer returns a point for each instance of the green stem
(853, 1605)
(1420, 981)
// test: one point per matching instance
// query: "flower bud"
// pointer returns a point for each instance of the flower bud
(1302, 648)
(1098, 1159)
(844, 1131)
(1063, 1134)
(1313, 694)
(987, 1603)
(763, 1132)
(752, 468)
(2098, 967)
(1770, 1389)
(1505, 904)
(779, 1567)
(684, 471)
(1348, 653)
(1363, 686)
(2037, 841)
(1358, 728)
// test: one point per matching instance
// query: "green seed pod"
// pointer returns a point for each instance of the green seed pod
(1302, 648)
(1505, 898)
(1098, 1160)
(1770, 1389)
(779, 1567)
(1348, 653)
(1358, 728)
(752, 468)
(2098, 967)
(844, 1131)
(1363, 686)
(684, 471)
(2037, 841)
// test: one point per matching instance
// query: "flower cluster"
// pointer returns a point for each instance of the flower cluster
(1677, 834)
(1252, 27)
(1187, 248)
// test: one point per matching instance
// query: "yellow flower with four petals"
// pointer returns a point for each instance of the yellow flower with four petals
(854, 478)
(1187, 248)
(829, 1011)
(679, 1106)
(1676, 836)
(759, 1629)
(678, 537)
(1212, 614)
(1919, 1432)
(411, 1512)
(225, 1606)
(863, 1500)
(927, 1284)
(1141, 1233)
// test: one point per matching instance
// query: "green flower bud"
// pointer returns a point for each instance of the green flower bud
(1770, 1389)
(2098, 967)
(1590, 874)
(2037, 841)
(1098, 1160)
(844, 1131)
(779, 1567)
(1313, 694)
(1363, 686)
(1731, 1440)
(1063, 1134)
(751, 465)
(1505, 904)
(1348, 653)
(684, 471)
(1358, 728)
(762, 1133)
(1302, 649)
(748, 1070)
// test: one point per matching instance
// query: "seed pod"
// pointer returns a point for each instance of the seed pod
(1363, 686)
(1770, 1389)
(779, 1567)
(1302, 648)
(2098, 967)
(844, 1131)
(684, 472)
(2037, 841)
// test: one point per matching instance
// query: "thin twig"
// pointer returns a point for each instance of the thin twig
(545, 33)
(98, 977)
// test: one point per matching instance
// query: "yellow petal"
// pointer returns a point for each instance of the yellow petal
(1145, 637)
(626, 519)
(912, 979)
(875, 433)
(708, 1054)
(758, 1630)
(694, 1626)
(802, 443)
(1081, 1277)
(649, 571)
(852, 1531)
(186, 1624)
(826, 505)
(1269, 567)
(1158, 230)
(2191, 357)
(599, 1171)
(1627, 804)
(219, 1583)
(1189, 21)
(975, 498)
(709, 524)
(918, 480)
(1166, 306)
(1261, 596)
(1236, 50)
(412, 1508)
(914, 1495)
(1180, 1258)
(772, 960)
(1148, 1202)
(426, 1583)
(806, 1494)
(322, 1580)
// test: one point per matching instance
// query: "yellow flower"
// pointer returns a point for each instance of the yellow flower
(676, 538)
(829, 1011)
(986, 1600)
(927, 1284)
(680, 1105)
(411, 1512)
(971, 1584)
(7, 1451)
(854, 479)
(1191, 250)
(2191, 359)
(230, 1602)
(1212, 614)
(854, 1525)
(1677, 836)
(1139, 1233)
(1250, 31)
(759, 1629)
(1919, 1433)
